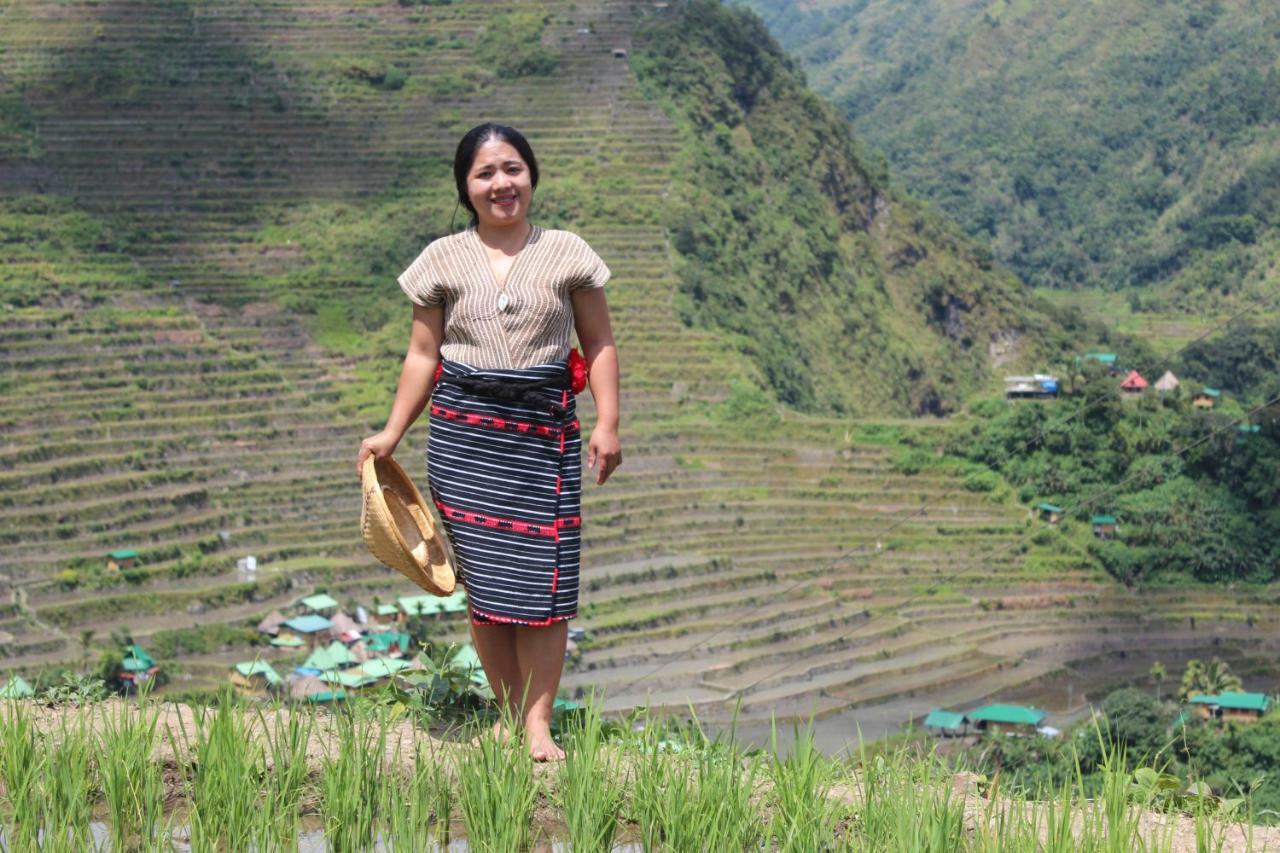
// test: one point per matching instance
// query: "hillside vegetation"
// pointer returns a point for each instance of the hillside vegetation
(1119, 144)
(850, 297)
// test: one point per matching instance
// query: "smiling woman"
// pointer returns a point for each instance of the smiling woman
(494, 307)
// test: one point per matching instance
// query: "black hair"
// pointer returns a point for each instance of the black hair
(466, 155)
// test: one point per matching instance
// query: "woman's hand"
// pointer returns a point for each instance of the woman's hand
(604, 448)
(381, 445)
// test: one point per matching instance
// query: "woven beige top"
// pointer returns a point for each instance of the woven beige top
(534, 327)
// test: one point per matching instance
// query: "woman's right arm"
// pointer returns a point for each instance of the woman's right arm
(417, 378)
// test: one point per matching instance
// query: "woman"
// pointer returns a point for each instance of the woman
(493, 306)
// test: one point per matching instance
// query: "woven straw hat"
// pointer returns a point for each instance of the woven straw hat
(398, 528)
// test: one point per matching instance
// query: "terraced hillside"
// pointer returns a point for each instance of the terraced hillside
(204, 208)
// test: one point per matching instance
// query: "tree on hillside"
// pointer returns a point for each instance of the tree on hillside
(1135, 720)
(1213, 677)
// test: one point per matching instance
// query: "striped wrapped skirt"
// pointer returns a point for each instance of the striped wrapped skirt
(506, 477)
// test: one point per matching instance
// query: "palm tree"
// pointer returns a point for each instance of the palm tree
(1211, 678)
(1158, 674)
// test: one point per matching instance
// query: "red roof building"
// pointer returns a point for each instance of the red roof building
(1133, 382)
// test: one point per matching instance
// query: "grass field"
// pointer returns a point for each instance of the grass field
(162, 776)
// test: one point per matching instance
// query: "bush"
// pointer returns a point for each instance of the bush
(512, 45)
(982, 481)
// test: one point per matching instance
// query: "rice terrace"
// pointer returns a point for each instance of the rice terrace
(914, 545)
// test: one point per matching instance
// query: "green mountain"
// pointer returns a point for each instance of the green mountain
(849, 296)
(1119, 144)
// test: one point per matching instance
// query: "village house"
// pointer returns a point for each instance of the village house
(431, 605)
(343, 627)
(311, 629)
(1134, 384)
(319, 603)
(309, 688)
(1206, 399)
(327, 658)
(1106, 359)
(1051, 513)
(1038, 386)
(16, 688)
(255, 678)
(1167, 383)
(271, 623)
(1243, 431)
(1007, 719)
(947, 723)
(1232, 706)
(136, 668)
(1104, 526)
(392, 644)
(122, 558)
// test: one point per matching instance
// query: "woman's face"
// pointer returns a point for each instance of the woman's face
(499, 185)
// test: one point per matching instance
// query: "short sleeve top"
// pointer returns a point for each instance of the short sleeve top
(534, 326)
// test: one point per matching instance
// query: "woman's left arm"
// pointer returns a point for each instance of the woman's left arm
(591, 320)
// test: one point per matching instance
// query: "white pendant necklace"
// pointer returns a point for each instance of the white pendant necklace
(503, 301)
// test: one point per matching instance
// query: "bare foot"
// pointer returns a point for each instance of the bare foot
(502, 735)
(543, 748)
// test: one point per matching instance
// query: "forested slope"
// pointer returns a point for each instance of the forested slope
(1118, 144)
(850, 296)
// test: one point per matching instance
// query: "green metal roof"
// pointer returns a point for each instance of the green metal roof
(327, 695)
(455, 603)
(288, 641)
(1048, 507)
(259, 667)
(319, 601)
(1212, 392)
(320, 659)
(16, 688)
(136, 651)
(940, 719)
(1020, 715)
(383, 667)
(387, 610)
(425, 605)
(136, 665)
(348, 679)
(1234, 700)
(1104, 357)
(384, 640)
(418, 605)
(1103, 519)
(123, 554)
(340, 653)
(308, 624)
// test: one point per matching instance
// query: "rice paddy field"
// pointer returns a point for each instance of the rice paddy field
(204, 207)
(125, 775)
